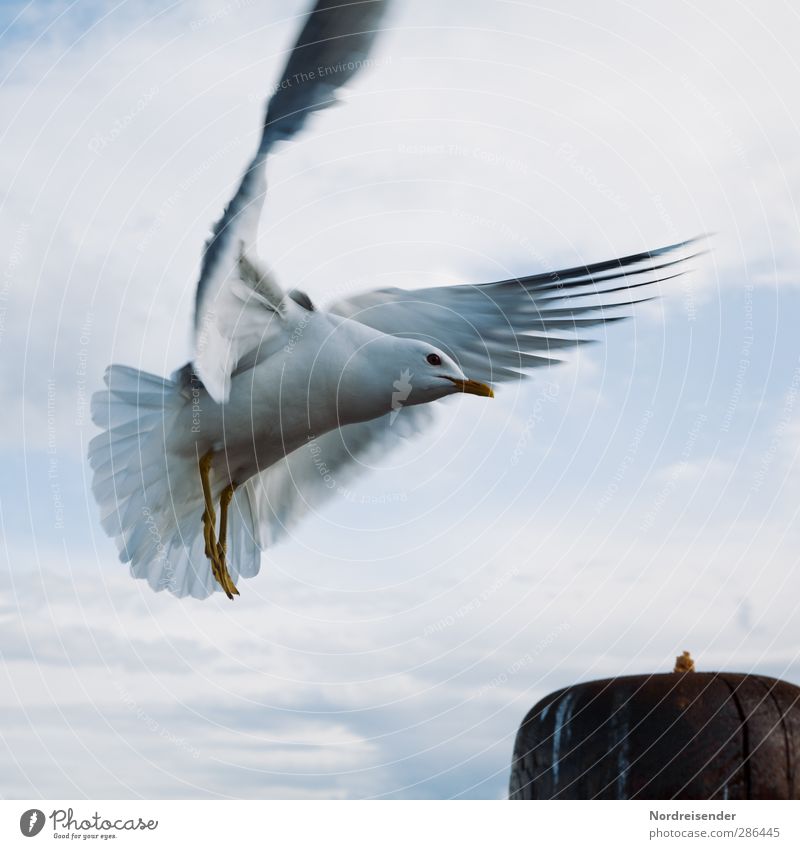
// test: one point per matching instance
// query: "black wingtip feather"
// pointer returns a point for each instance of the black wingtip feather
(586, 275)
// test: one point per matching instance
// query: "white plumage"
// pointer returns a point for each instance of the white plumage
(282, 397)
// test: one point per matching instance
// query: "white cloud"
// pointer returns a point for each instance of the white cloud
(392, 650)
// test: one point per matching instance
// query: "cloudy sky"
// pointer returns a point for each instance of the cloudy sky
(595, 520)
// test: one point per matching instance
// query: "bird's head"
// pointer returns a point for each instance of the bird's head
(387, 373)
(426, 373)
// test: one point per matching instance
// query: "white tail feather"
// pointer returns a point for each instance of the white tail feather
(150, 499)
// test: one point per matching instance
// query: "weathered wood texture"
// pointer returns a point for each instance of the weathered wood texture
(698, 735)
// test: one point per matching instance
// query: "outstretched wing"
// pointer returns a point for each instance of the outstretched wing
(496, 331)
(332, 46)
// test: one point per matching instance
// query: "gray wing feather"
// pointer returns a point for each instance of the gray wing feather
(496, 331)
(336, 38)
(332, 46)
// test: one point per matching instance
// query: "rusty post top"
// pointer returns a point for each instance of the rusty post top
(684, 663)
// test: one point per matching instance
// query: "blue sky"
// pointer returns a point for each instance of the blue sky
(595, 520)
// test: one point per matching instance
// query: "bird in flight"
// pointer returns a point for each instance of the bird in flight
(283, 400)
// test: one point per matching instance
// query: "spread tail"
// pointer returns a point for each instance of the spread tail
(150, 498)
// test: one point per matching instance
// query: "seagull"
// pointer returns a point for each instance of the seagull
(283, 401)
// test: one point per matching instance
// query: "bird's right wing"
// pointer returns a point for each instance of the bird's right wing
(498, 331)
(495, 331)
(332, 46)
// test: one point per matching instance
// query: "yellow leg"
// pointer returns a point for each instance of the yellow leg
(215, 551)
(222, 546)
(209, 516)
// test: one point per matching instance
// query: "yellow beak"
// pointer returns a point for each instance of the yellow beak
(473, 387)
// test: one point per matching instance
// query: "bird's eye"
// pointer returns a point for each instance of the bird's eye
(434, 359)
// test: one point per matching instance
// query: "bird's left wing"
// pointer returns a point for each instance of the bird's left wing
(497, 331)
(332, 46)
